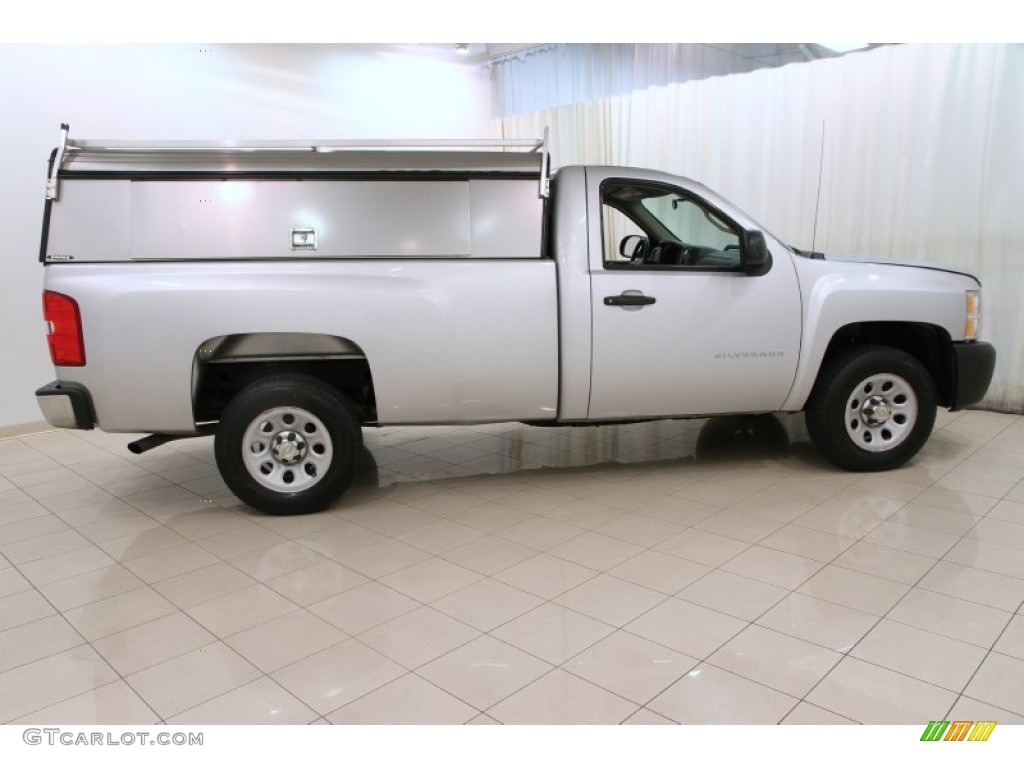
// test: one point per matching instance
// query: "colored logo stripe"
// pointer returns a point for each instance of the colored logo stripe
(958, 730)
(982, 730)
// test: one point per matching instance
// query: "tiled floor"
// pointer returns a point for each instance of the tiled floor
(712, 571)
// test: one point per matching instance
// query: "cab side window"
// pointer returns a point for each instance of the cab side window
(649, 226)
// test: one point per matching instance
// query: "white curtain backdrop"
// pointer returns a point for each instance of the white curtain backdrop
(920, 149)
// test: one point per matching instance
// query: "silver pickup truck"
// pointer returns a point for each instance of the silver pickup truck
(284, 295)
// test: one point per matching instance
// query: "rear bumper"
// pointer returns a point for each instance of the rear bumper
(66, 404)
(973, 364)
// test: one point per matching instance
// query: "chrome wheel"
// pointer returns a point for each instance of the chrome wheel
(287, 449)
(881, 412)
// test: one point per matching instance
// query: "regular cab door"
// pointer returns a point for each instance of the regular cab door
(681, 326)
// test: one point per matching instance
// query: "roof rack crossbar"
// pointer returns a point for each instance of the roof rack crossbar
(530, 145)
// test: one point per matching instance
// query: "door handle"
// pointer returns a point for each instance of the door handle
(628, 300)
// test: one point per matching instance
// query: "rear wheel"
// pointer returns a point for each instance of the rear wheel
(872, 409)
(287, 445)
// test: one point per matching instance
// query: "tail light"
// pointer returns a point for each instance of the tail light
(64, 329)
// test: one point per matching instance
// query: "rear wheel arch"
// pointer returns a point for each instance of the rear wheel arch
(223, 366)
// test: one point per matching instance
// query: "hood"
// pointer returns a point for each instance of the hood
(864, 259)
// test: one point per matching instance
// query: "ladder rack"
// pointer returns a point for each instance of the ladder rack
(69, 149)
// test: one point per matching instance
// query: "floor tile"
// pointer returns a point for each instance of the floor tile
(610, 600)
(935, 519)
(440, 536)
(484, 671)
(154, 642)
(949, 616)
(203, 584)
(739, 525)
(806, 542)
(431, 579)
(702, 547)
(773, 567)
(278, 560)
(985, 587)
(779, 661)
(708, 695)
(111, 704)
(489, 554)
(885, 562)
(186, 681)
(43, 525)
(419, 636)
(734, 595)
(808, 714)
(118, 613)
(659, 571)
(989, 557)
(585, 513)
(117, 527)
(552, 633)
(241, 610)
(364, 607)
(647, 717)
(967, 708)
(919, 654)
(680, 511)
(686, 627)
(337, 675)
(12, 582)
(169, 563)
(630, 666)
(491, 517)
(540, 533)
(999, 682)
(261, 702)
(487, 604)
(409, 700)
(382, 558)
(595, 550)
(561, 698)
(920, 541)
(32, 687)
(315, 583)
(1011, 642)
(818, 621)
(240, 541)
(854, 589)
(65, 566)
(545, 576)
(874, 696)
(142, 544)
(36, 640)
(23, 608)
(284, 640)
(640, 529)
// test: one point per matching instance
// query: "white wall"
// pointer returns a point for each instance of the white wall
(180, 92)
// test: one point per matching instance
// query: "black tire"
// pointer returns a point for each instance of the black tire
(308, 439)
(872, 409)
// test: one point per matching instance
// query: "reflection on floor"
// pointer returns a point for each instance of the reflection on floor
(708, 571)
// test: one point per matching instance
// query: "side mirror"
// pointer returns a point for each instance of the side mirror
(757, 259)
(633, 247)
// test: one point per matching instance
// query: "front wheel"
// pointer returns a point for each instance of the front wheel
(287, 445)
(872, 409)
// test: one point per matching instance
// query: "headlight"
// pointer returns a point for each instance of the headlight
(972, 326)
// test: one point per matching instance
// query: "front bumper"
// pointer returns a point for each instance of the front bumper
(66, 404)
(973, 364)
